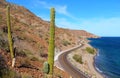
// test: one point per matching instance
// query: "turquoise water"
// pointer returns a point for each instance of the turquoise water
(107, 61)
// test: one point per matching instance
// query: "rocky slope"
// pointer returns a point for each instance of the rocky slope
(31, 34)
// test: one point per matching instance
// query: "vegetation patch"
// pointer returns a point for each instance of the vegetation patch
(41, 51)
(78, 58)
(21, 37)
(17, 28)
(90, 50)
(25, 75)
(34, 58)
(23, 53)
(27, 52)
(66, 43)
(7, 73)
(4, 44)
(25, 63)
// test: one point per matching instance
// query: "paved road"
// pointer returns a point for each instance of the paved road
(68, 67)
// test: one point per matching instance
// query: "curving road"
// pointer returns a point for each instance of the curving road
(68, 67)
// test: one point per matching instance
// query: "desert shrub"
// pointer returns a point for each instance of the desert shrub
(65, 42)
(22, 36)
(78, 58)
(34, 59)
(23, 53)
(4, 44)
(80, 37)
(7, 73)
(4, 29)
(0, 17)
(25, 63)
(27, 52)
(25, 75)
(46, 39)
(17, 28)
(40, 35)
(41, 51)
(42, 54)
(90, 50)
(58, 75)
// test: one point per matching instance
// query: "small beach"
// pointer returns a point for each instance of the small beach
(88, 66)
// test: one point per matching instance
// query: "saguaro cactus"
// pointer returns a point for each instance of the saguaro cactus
(10, 36)
(51, 41)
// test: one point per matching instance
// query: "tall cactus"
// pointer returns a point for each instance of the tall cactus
(10, 36)
(51, 41)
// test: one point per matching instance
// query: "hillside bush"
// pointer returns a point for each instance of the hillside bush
(78, 58)
(7, 73)
(90, 50)
(65, 42)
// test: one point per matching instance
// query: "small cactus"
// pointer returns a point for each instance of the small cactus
(46, 67)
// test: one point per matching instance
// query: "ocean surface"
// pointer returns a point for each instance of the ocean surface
(107, 60)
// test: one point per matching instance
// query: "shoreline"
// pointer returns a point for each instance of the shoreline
(95, 66)
(96, 54)
(88, 65)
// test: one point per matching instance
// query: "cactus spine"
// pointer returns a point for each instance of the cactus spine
(51, 41)
(10, 36)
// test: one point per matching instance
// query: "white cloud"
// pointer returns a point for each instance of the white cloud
(64, 23)
(44, 4)
(61, 9)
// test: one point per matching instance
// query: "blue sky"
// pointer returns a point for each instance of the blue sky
(100, 17)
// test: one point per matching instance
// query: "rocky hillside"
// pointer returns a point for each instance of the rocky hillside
(31, 34)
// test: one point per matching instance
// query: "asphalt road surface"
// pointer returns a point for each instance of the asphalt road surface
(68, 67)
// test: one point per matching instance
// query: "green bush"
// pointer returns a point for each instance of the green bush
(23, 53)
(34, 59)
(25, 75)
(27, 52)
(25, 63)
(65, 42)
(90, 50)
(4, 44)
(22, 37)
(78, 58)
(7, 73)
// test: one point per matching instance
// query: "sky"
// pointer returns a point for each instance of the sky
(100, 17)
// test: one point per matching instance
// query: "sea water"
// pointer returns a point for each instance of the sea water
(107, 60)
